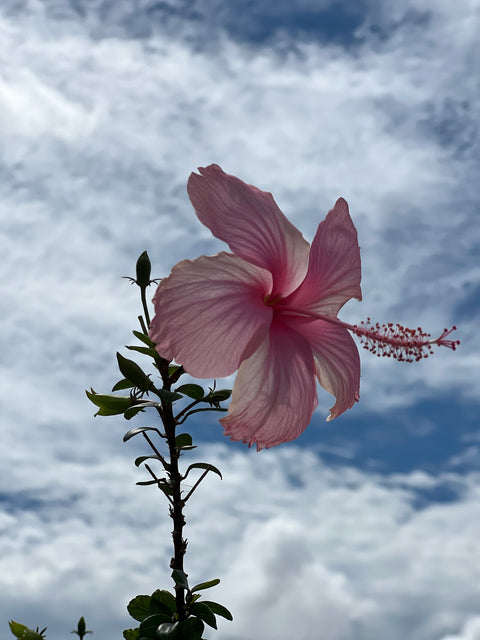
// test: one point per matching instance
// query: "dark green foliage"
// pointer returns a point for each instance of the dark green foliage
(109, 405)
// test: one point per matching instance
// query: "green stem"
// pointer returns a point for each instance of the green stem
(176, 509)
(144, 304)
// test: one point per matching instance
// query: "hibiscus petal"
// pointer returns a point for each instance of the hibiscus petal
(274, 394)
(252, 225)
(209, 311)
(334, 268)
(337, 362)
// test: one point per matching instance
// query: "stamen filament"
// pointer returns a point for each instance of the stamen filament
(389, 340)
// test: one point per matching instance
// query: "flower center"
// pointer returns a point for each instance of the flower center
(271, 301)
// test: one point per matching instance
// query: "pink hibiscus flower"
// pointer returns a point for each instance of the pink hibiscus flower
(269, 310)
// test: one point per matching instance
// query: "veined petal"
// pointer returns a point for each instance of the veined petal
(252, 225)
(337, 362)
(209, 311)
(274, 394)
(334, 268)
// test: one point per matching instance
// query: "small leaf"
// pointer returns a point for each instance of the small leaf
(132, 371)
(144, 338)
(109, 405)
(206, 585)
(194, 391)
(180, 578)
(141, 459)
(218, 609)
(169, 631)
(133, 410)
(183, 440)
(201, 610)
(169, 396)
(17, 629)
(174, 369)
(140, 406)
(23, 632)
(203, 465)
(136, 431)
(221, 394)
(192, 628)
(166, 598)
(148, 627)
(131, 634)
(139, 607)
(123, 384)
(146, 351)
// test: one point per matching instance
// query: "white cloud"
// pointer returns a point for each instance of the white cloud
(298, 546)
(99, 135)
(470, 631)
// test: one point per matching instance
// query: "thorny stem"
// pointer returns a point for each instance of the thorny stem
(176, 509)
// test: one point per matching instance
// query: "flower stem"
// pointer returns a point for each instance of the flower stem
(176, 508)
(144, 304)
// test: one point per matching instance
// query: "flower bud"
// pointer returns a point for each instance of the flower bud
(144, 269)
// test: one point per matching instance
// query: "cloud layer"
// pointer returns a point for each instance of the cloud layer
(104, 112)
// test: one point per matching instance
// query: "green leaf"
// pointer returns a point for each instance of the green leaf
(148, 627)
(206, 585)
(184, 440)
(146, 351)
(131, 371)
(141, 459)
(17, 629)
(136, 431)
(169, 631)
(143, 607)
(194, 391)
(218, 609)
(166, 598)
(139, 607)
(144, 338)
(123, 384)
(109, 405)
(192, 628)
(131, 634)
(201, 610)
(23, 632)
(219, 396)
(203, 465)
(169, 396)
(141, 406)
(180, 578)
(173, 368)
(133, 410)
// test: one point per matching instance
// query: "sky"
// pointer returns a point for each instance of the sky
(366, 527)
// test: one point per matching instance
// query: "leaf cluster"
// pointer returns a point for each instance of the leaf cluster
(140, 385)
(158, 618)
